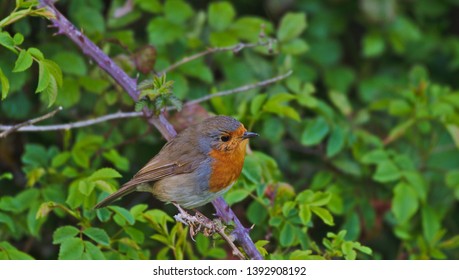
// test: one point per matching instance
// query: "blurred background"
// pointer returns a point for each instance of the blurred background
(358, 155)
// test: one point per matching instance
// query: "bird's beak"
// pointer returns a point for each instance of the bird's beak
(248, 135)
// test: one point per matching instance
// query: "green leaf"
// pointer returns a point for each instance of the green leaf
(323, 214)
(162, 32)
(93, 251)
(5, 84)
(60, 159)
(177, 11)
(63, 233)
(287, 235)
(23, 62)
(8, 221)
(6, 176)
(71, 249)
(386, 171)
(236, 196)
(248, 28)
(18, 39)
(43, 77)
(257, 102)
(51, 91)
(373, 45)
(431, 223)
(136, 235)
(118, 160)
(336, 141)
(71, 63)
(291, 26)
(12, 253)
(202, 244)
(36, 53)
(405, 202)
(103, 174)
(54, 70)
(97, 234)
(123, 213)
(348, 250)
(375, 157)
(321, 179)
(221, 14)
(340, 100)
(305, 214)
(315, 132)
(295, 47)
(7, 41)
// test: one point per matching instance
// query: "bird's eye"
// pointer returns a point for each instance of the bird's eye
(225, 138)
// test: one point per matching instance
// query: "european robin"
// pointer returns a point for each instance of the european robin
(201, 163)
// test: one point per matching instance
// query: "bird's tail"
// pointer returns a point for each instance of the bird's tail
(127, 189)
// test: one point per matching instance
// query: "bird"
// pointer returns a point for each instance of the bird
(199, 164)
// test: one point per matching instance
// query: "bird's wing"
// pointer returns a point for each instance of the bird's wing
(154, 170)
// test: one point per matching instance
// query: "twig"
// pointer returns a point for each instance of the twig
(235, 49)
(240, 89)
(29, 122)
(130, 85)
(79, 124)
(125, 115)
(91, 50)
(198, 221)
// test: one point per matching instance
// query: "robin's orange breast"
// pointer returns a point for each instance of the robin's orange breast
(226, 167)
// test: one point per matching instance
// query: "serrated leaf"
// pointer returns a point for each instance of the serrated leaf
(97, 234)
(23, 62)
(5, 84)
(323, 214)
(54, 70)
(123, 213)
(305, 214)
(315, 132)
(43, 77)
(36, 53)
(7, 41)
(103, 174)
(291, 26)
(12, 253)
(386, 171)
(235, 196)
(51, 91)
(93, 251)
(71, 249)
(63, 233)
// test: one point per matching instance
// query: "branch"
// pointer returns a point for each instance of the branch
(160, 122)
(125, 115)
(91, 50)
(235, 49)
(29, 122)
(79, 124)
(240, 89)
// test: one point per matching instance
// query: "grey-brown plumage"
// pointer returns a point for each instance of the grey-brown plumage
(180, 172)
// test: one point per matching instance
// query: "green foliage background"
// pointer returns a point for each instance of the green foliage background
(358, 155)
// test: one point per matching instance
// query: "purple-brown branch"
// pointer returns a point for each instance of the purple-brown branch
(65, 27)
